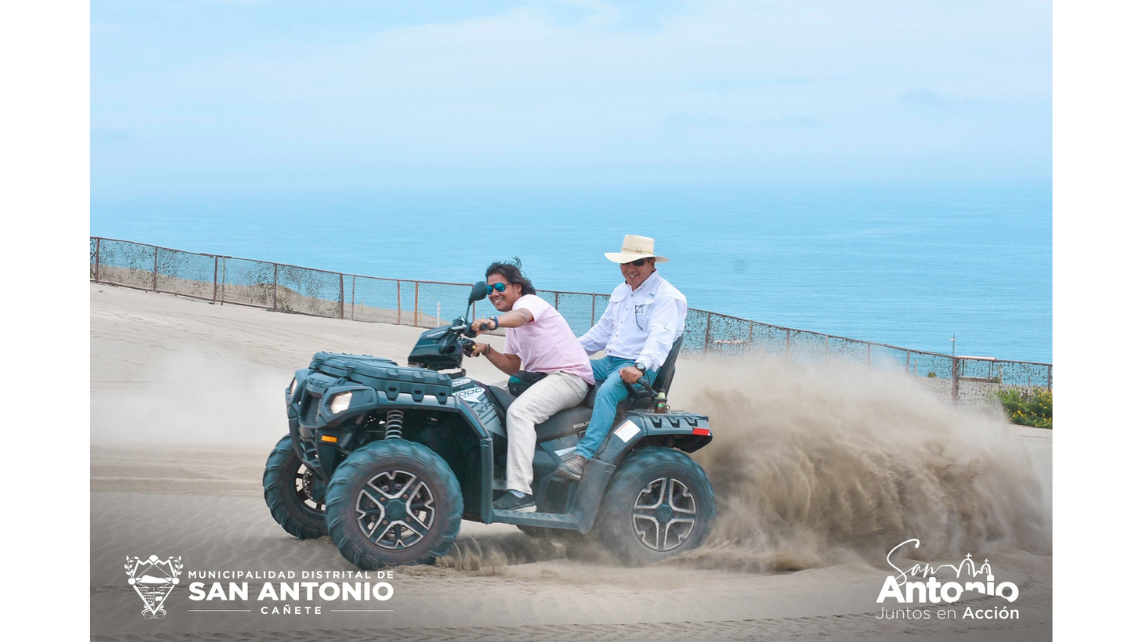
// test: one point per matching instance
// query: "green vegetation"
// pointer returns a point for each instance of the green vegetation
(1027, 408)
(931, 375)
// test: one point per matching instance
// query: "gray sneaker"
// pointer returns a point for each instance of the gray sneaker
(509, 501)
(572, 468)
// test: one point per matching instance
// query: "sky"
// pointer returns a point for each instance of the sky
(193, 95)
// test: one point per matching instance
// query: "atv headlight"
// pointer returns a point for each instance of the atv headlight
(340, 402)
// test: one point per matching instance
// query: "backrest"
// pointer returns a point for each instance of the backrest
(666, 372)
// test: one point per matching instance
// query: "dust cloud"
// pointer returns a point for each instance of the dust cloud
(191, 398)
(823, 465)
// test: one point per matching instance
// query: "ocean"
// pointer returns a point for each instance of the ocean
(904, 264)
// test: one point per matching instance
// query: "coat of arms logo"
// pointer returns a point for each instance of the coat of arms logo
(153, 579)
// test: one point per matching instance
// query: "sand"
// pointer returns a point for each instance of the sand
(186, 403)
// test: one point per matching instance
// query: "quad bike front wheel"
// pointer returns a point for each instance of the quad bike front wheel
(658, 504)
(291, 491)
(391, 503)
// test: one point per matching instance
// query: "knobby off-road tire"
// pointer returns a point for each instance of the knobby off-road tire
(658, 504)
(391, 503)
(287, 485)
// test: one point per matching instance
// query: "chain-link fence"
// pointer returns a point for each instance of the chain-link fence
(427, 304)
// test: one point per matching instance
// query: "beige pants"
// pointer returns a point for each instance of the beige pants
(548, 396)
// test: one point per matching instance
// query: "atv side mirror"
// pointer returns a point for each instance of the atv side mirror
(479, 291)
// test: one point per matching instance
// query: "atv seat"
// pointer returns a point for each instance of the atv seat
(505, 398)
(665, 376)
(501, 395)
(565, 422)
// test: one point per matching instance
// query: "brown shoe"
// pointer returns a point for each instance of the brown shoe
(572, 468)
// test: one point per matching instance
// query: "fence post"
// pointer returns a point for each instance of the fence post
(826, 348)
(97, 239)
(275, 299)
(955, 380)
(1049, 377)
(353, 300)
(215, 296)
(869, 346)
(706, 348)
(398, 301)
(907, 360)
(556, 301)
(155, 275)
(592, 296)
(342, 279)
(788, 345)
(750, 348)
(416, 305)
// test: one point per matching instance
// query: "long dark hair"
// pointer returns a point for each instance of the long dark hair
(511, 272)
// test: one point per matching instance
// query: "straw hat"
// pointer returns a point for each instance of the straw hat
(634, 248)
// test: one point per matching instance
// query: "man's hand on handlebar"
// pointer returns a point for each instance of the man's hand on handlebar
(630, 374)
(480, 326)
(478, 349)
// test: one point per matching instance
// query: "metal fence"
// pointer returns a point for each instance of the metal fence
(289, 288)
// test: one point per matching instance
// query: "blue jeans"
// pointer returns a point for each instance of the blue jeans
(611, 391)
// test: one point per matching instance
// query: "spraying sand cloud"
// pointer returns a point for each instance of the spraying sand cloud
(830, 464)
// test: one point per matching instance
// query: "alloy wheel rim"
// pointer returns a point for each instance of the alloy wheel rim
(664, 514)
(395, 509)
(303, 483)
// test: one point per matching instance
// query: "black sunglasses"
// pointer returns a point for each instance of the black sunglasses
(498, 287)
(637, 263)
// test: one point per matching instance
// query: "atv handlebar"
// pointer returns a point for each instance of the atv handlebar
(641, 389)
(642, 381)
(647, 392)
(463, 328)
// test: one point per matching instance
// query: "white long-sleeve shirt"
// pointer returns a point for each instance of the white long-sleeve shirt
(641, 324)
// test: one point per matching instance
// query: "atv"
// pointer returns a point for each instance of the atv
(387, 460)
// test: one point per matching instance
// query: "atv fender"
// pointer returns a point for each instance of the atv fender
(682, 430)
(685, 431)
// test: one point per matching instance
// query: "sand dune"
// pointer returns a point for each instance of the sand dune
(187, 403)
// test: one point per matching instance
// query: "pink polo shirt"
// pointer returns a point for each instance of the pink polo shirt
(546, 343)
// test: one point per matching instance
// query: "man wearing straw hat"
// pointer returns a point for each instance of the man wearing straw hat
(643, 319)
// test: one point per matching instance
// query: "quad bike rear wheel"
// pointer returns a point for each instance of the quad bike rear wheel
(391, 503)
(291, 491)
(658, 504)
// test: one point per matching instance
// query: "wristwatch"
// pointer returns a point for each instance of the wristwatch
(641, 366)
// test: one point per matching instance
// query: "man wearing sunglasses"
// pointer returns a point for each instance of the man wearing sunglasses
(538, 340)
(643, 319)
